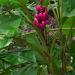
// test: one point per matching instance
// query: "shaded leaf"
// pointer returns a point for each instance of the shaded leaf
(9, 25)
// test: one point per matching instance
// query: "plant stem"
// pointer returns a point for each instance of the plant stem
(57, 29)
(49, 63)
(55, 13)
(61, 37)
(46, 54)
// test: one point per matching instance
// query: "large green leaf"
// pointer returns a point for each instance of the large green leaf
(32, 70)
(20, 57)
(24, 70)
(68, 8)
(21, 63)
(12, 3)
(68, 25)
(3, 1)
(9, 25)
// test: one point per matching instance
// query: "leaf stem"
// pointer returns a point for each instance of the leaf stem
(57, 29)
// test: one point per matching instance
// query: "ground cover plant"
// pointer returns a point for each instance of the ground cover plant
(37, 37)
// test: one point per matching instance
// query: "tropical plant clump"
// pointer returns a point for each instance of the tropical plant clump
(37, 37)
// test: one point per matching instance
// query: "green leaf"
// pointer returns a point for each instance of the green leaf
(3, 1)
(33, 40)
(68, 24)
(20, 57)
(56, 58)
(68, 8)
(26, 1)
(10, 2)
(15, 69)
(45, 2)
(4, 42)
(9, 25)
(32, 70)
(72, 50)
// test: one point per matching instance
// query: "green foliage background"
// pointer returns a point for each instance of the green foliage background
(20, 52)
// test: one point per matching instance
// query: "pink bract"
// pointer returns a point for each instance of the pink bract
(44, 16)
(43, 23)
(36, 23)
(41, 17)
(38, 7)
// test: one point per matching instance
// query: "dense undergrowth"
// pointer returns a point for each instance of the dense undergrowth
(37, 37)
